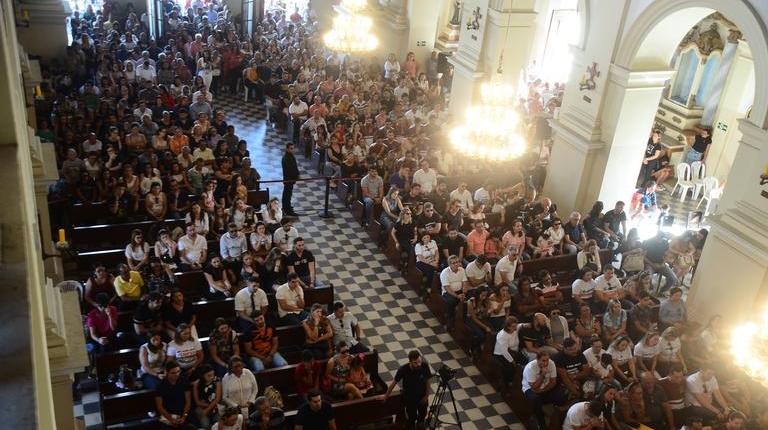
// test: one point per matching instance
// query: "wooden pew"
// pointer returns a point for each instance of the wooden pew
(129, 407)
(104, 236)
(110, 258)
(561, 267)
(366, 412)
(85, 214)
(256, 198)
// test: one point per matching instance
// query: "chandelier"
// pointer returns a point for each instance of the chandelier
(491, 130)
(351, 32)
(749, 349)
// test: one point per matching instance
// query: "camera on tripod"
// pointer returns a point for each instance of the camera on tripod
(446, 373)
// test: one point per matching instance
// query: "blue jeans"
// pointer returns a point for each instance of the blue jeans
(668, 273)
(367, 208)
(277, 361)
(692, 156)
(537, 400)
(450, 308)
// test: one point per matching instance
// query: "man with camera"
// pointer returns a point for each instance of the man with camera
(415, 376)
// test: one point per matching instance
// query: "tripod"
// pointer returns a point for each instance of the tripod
(433, 414)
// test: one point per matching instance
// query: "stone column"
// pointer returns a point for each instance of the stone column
(717, 84)
(738, 240)
(49, 18)
(600, 163)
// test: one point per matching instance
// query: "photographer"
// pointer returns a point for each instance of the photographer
(584, 416)
(415, 376)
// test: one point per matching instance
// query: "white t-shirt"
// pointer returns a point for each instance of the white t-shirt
(290, 296)
(646, 351)
(475, 272)
(609, 288)
(621, 357)
(186, 353)
(506, 342)
(532, 371)
(583, 289)
(427, 180)
(453, 279)
(238, 425)
(695, 384)
(505, 266)
(577, 416)
(194, 247)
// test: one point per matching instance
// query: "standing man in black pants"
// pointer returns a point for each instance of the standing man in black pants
(290, 175)
(416, 386)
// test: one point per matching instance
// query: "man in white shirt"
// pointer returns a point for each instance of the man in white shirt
(298, 110)
(455, 284)
(703, 396)
(290, 301)
(284, 236)
(250, 298)
(463, 195)
(609, 287)
(426, 177)
(193, 250)
(479, 272)
(539, 386)
(346, 328)
(584, 415)
(204, 152)
(232, 245)
(507, 268)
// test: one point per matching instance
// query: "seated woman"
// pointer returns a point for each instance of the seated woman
(206, 395)
(663, 171)
(391, 208)
(307, 374)
(152, 358)
(516, 237)
(587, 326)
(557, 233)
(589, 255)
(261, 241)
(319, 333)
(614, 321)
(219, 284)
(593, 225)
(427, 259)
(272, 214)
(156, 203)
(358, 376)
(337, 374)
(476, 213)
(186, 350)
(499, 304)
(137, 252)
(179, 311)
(275, 269)
(239, 213)
(476, 321)
(199, 218)
(623, 361)
(99, 282)
(670, 351)
(223, 344)
(683, 249)
(647, 353)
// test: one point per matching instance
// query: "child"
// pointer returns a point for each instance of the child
(545, 246)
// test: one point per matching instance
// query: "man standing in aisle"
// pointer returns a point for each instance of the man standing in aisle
(290, 175)
(415, 376)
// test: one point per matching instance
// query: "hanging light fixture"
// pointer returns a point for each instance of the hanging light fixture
(492, 128)
(351, 32)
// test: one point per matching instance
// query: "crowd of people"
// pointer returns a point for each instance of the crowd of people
(136, 126)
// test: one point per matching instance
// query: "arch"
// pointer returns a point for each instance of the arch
(654, 35)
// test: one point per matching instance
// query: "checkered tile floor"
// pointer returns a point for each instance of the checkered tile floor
(393, 317)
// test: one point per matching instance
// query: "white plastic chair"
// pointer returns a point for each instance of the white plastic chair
(698, 171)
(711, 191)
(683, 175)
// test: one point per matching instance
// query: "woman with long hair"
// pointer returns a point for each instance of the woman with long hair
(199, 218)
(261, 240)
(206, 395)
(275, 268)
(337, 371)
(152, 357)
(318, 333)
(137, 251)
(647, 352)
(186, 350)
(477, 321)
(272, 214)
(99, 282)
